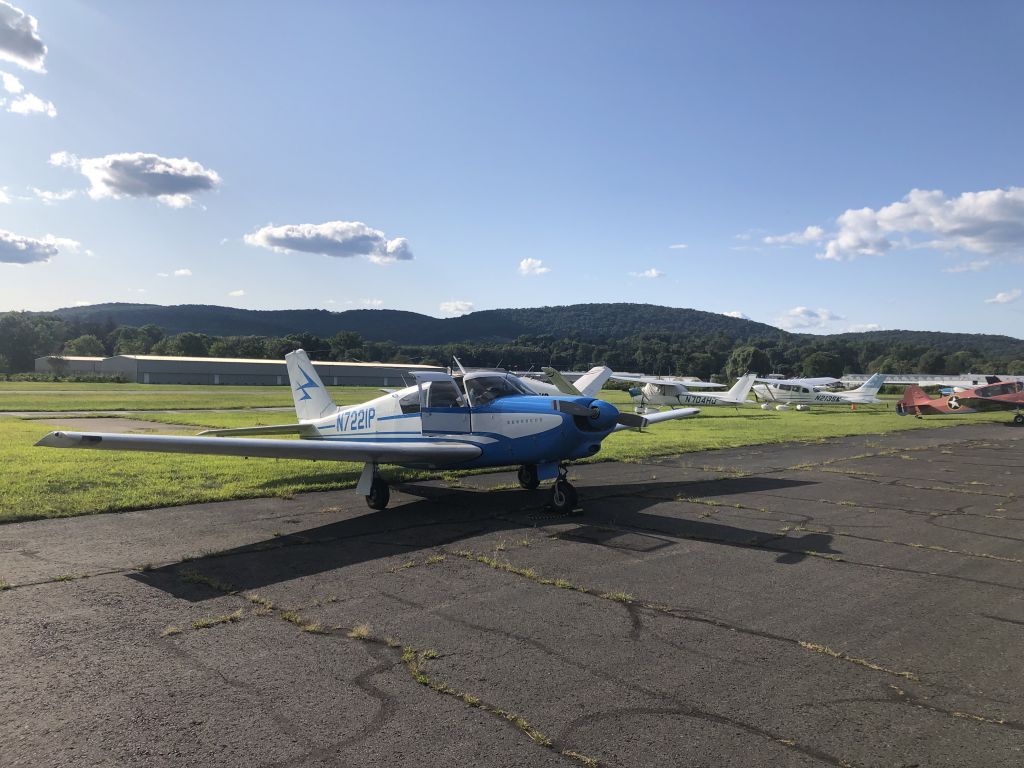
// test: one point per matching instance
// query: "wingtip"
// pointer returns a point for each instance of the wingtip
(55, 440)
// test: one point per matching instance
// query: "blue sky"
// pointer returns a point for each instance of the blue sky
(457, 155)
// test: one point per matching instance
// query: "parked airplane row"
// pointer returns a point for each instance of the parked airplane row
(469, 420)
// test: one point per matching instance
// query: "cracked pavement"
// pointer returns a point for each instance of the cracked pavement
(853, 602)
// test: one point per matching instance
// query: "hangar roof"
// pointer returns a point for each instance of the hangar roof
(261, 361)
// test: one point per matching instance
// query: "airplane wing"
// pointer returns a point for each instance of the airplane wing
(640, 379)
(411, 452)
(654, 418)
(816, 382)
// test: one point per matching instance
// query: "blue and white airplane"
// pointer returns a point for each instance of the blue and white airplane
(495, 420)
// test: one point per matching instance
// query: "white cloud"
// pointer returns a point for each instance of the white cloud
(372, 303)
(988, 222)
(49, 197)
(16, 249)
(811, 234)
(970, 266)
(171, 180)
(341, 239)
(1004, 297)
(805, 317)
(456, 307)
(29, 104)
(4, 197)
(861, 327)
(183, 272)
(11, 83)
(162, 274)
(532, 267)
(238, 293)
(652, 272)
(19, 38)
(737, 314)
(679, 246)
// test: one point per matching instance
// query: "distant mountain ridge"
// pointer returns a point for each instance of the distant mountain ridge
(591, 321)
(585, 321)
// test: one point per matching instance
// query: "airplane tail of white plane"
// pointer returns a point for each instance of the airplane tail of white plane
(871, 386)
(741, 388)
(590, 383)
(308, 392)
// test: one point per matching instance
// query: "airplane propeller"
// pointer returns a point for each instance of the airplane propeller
(595, 413)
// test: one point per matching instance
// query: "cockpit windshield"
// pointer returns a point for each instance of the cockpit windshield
(485, 388)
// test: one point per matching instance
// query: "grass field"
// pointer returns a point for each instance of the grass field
(40, 483)
(46, 396)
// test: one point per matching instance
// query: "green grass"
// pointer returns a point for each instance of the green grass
(44, 483)
(718, 427)
(46, 396)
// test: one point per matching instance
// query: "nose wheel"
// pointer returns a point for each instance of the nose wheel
(564, 498)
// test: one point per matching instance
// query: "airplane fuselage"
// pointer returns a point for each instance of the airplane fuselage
(801, 395)
(519, 429)
(643, 397)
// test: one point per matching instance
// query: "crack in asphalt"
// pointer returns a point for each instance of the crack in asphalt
(680, 707)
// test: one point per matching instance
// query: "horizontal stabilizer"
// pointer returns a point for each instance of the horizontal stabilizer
(305, 430)
(561, 382)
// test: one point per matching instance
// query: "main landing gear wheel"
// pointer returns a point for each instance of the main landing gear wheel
(528, 477)
(379, 495)
(1018, 420)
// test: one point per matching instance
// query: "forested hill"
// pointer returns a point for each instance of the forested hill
(583, 321)
(990, 345)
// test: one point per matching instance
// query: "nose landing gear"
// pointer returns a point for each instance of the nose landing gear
(563, 494)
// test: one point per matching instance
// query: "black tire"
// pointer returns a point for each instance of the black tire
(528, 477)
(1018, 419)
(379, 495)
(563, 497)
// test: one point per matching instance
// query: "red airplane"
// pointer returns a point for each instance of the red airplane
(997, 396)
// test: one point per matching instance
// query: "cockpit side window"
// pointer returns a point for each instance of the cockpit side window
(410, 403)
(486, 388)
(443, 394)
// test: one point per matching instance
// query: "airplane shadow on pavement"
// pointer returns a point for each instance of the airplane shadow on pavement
(614, 516)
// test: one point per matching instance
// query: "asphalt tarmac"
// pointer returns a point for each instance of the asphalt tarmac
(854, 602)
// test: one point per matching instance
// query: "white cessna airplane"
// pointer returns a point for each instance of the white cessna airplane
(804, 393)
(673, 393)
(495, 421)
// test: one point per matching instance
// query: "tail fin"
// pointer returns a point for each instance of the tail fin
(872, 385)
(913, 395)
(590, 383)
(311, 399)
(741, 388)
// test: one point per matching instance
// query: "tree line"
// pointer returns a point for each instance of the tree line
(26, 336)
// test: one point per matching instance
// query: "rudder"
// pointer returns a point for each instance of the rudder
(308, 392)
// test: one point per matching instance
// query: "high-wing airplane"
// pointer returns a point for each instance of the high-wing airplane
(803, 393)
(1000, 396)
(673, 393)
(495, 420)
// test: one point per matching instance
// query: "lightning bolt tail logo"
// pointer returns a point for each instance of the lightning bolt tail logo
(309, 384)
